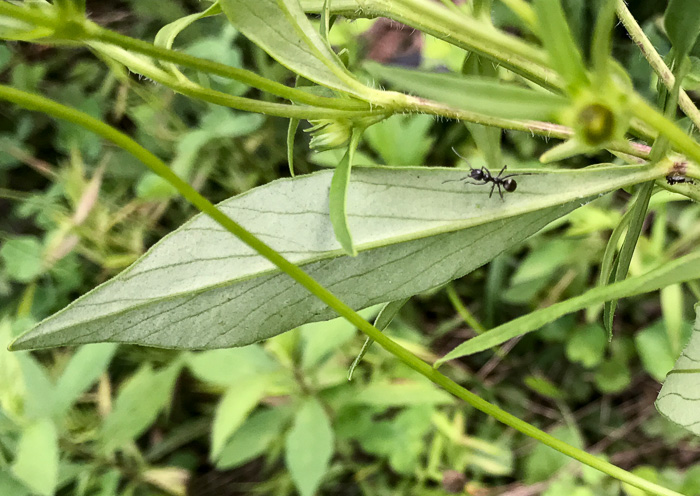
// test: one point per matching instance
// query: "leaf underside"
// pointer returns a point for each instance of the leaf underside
(201, 288)
(679, 398)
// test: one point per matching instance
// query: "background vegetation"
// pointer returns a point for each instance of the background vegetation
(280, 417)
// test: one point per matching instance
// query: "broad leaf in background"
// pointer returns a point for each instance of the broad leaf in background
(229, 366)
(683, 269)
(253, 437)
(84, 368)
(309, 447)
(411, 131)
(138, 404)
(281, 28)
(419, 392)
(37, 457)
(682, 25)
(232, 410)
(473, 93)
(202, 288)
(544, 461)
(679, 399)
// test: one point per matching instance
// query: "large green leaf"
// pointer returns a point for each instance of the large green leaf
(202, 288)
(281, 28)
(683, 269)
(483, 95)
(679, 399)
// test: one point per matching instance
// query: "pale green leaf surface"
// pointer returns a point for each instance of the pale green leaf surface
(138, 404)
(10, 485)
(281, 28)
(40, 392)
(679, 399)
(22, 257)
(655, 349)
(682, 24)
(228, 366)
(167, 34)
(84, 368)
(386, 315)
(322, 338)
(201, 288)
(412, 131)
(338, 197)
(309, 447)
(559, 42)
(36, 464)
(401, 439)
(253, 437)
(544, 461)
(587, 345)
(683, 269)
(403, 393)
(233, 409)
(473, 93)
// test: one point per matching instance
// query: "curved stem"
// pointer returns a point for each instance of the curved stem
(85, 31)
(36, 102)
(656, 62)
(184, 86)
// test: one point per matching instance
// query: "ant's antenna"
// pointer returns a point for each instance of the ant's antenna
(462, 157)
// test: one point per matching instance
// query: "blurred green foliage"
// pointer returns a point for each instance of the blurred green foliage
(281, 417)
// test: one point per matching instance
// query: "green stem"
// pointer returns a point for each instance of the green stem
(42, 104)
(683, 143)
(463, 311)
(188, 88)
(85, 31)
(655, 61)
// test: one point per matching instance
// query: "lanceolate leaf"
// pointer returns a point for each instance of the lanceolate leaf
(202, 288)
(473, 93)
(280, 27)
(685, 268)
(559, 42)
(338, 196)
(679, 399)
(167, 34)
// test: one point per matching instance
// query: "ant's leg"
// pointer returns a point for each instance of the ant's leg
(502, 171)
(453, 180)
(499, 191)
(492, 188)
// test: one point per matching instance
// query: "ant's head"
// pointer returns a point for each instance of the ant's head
(509, 185)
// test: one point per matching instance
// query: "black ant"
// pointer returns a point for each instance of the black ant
(678, 179)
(484, 175)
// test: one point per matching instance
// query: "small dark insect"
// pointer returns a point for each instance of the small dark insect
(678, 179)
(484, 176)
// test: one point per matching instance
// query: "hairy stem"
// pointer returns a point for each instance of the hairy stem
(83, 31)
(656, 62)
